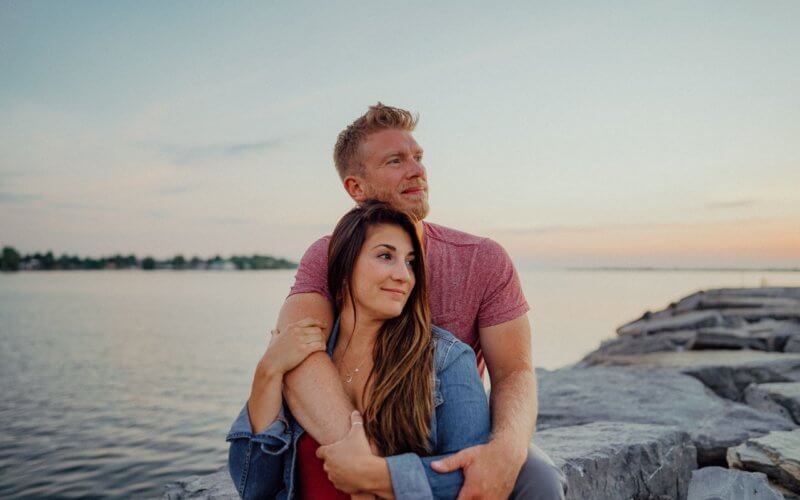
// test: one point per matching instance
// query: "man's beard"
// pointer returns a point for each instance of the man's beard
(418, 210)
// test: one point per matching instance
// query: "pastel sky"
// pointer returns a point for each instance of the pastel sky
(575, 133)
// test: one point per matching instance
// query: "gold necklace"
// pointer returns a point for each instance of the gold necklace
(348, 378)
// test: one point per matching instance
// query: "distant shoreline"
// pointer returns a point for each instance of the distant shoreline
(690, 269)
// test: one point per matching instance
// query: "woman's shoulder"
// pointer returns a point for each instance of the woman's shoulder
(448, 348)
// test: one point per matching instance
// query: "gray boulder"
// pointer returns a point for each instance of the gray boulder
(727, 373)
(621, 460)
(793, 344)
(569, 397)
(782, 398)
(777, 455)
(685, 321)
(718, 483)
(216, 486)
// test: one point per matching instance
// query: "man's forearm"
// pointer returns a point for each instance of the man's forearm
(317, 400)
(313, 389)
(514, 409)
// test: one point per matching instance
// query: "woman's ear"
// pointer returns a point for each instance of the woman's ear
(354, 187)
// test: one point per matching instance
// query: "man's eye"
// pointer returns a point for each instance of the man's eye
(394, 161)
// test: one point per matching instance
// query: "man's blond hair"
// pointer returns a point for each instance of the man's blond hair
(346, 153)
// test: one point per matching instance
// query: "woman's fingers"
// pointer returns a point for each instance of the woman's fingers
(308, 322)
(315, 346)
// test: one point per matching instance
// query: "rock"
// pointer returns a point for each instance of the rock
(782, 398)
(793, 344)
(621, 460)
(216, 486)
(715, 483)
(735, 305)
(665, 341)
(576, 396)
(791, 292)
(777, 455)
(689, 320)
(727, 373)
(785, 313)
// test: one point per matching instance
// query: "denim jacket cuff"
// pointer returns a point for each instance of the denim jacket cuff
(408, 477)
(275, 439)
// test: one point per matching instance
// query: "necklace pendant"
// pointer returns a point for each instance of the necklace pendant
(348, 379)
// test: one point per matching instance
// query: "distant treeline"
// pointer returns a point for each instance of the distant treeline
(11, 260)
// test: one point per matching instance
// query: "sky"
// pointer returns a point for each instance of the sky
(574, 133)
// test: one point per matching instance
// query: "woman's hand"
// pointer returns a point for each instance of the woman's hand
(350, 464)
(289, 348)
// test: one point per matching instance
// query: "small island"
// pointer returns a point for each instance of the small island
(11, 260)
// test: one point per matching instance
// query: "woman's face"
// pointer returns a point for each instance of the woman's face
(383, 276)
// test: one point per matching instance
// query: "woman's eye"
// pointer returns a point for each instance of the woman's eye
(410, 263)
(385, 256)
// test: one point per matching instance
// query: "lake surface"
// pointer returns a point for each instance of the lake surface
(114, 383)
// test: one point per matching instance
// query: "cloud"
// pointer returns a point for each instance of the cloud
(7, 197)
(731, 204)
(190, 155)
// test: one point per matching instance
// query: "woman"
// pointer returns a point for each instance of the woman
(416, 385)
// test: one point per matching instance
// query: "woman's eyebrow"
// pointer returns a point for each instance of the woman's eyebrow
(390, 247)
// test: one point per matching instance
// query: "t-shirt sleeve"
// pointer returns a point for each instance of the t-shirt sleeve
(503, 299)
(312, 273)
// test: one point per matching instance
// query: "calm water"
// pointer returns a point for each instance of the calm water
(115, 383)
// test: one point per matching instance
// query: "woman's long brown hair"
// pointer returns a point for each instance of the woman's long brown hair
(398, 411)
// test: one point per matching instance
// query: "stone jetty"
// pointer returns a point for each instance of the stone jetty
(698, 401)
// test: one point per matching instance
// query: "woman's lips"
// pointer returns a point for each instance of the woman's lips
(393, 291)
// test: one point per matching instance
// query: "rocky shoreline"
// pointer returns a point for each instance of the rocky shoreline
(700, 400)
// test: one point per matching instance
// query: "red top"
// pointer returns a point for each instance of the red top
(312, 481)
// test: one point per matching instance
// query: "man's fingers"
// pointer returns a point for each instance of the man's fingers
(451, 463)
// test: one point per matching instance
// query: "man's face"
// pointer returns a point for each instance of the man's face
(393, 171)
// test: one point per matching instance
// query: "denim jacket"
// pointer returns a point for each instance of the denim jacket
(264, 465)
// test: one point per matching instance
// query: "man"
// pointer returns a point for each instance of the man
(474, 293)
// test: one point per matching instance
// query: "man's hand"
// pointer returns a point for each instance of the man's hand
(490, 470)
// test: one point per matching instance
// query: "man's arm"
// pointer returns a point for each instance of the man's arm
(491, 470)
(313, 389)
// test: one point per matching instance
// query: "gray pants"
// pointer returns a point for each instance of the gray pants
(539, 478)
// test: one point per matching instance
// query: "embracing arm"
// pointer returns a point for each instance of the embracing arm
(507, 349)
(312, 390)
(492, 469)
(462, 421)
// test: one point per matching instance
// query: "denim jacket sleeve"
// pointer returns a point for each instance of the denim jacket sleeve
(255, 461)
(462, 420)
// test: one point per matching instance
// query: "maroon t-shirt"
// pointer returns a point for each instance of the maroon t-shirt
(472, 282)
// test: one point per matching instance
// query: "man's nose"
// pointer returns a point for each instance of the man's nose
(415, 168)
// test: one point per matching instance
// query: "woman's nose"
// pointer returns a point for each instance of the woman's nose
(402, 272)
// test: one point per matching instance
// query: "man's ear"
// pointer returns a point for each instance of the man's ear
(353, 185)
